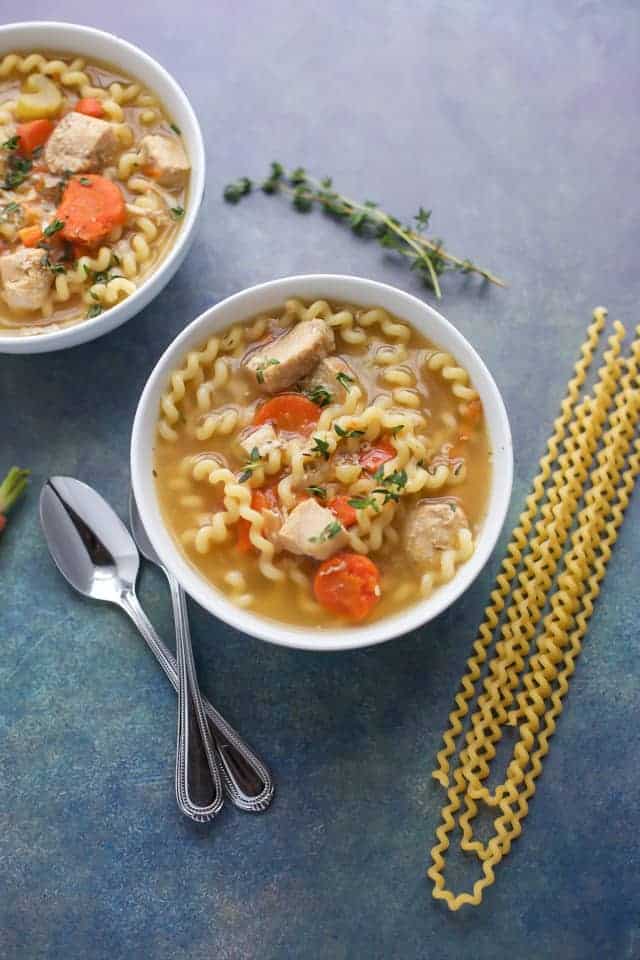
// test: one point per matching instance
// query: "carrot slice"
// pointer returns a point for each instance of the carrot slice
(372, 456)
(90, 106)
(343, 510)
(33, 134)
(348, 584)
(91, 207)
(31, 236)
(266, 499)
(289, 411)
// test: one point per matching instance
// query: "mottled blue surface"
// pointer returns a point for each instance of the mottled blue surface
(518, 123)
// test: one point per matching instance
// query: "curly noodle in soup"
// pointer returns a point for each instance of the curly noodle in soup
(93, 185)
(324, 464)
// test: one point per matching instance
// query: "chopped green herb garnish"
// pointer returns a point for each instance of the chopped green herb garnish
(85, 181)
(322, 447)
(319, 395)
(345, 380)
(361, 503)
(115, 260)
(12, 212)
(177, 212)
(387, 494)
(37, 152)
(176, 128)
(347, 434)
(94, 311)
(53, 227)
(53, 267)
(250, 466)
(11, 143)
(19, 168)
(263, 366)
(398, 427)
(319, 492)
(397, 479)
(330, 531)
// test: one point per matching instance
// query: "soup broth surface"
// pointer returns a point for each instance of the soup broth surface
(399, 438)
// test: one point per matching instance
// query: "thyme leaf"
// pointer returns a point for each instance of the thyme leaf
(427, 256)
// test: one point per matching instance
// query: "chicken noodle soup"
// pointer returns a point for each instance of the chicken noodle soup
(323, 464)
(93, 185)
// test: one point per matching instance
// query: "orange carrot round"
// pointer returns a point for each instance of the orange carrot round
(343, 510)
(90, 106)
(91, 207)
(374, 455)
(348, 584)
(289, 411)
(33, 134)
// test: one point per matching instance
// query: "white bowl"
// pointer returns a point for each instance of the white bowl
(267, 296)
(69, 38)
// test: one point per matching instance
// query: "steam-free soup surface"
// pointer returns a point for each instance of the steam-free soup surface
(323, 464)
(93, 187)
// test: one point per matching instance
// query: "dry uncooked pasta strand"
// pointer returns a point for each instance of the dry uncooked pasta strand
(545, 676)
(545, 544)
(510, 564)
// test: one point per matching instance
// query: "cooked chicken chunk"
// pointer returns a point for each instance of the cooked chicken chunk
(166, 160)
(312, 531)
(25, 281)
(432, 527)
(80, 144)
(263, 438)
(292, 356)
(326, 375)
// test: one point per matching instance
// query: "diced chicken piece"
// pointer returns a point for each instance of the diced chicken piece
(263, 438)
(165, 160)
(432, 527)
(327, 374)
(80, 144)
(312, 531)
(25, 281)
(292, 356)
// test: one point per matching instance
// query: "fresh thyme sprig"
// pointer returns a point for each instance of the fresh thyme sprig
(428, 257)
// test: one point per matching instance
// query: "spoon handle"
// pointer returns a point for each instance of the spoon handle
(198, 781)
(246, 779)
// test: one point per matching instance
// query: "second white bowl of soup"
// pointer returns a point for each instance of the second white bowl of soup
(323, 461)
(101, 180)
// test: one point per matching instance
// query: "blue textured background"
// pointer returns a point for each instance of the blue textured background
(518, 124)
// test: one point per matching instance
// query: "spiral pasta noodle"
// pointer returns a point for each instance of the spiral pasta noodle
(71, 285)
(586, 475)
(365, 451)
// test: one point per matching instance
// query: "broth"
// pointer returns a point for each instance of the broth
(415, 404)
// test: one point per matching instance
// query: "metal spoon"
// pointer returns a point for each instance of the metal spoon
(93, 549)
(247, 781)
(95, 552)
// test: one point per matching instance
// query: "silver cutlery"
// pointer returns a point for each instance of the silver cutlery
(96, 554)
(246, 780)
(197, 769)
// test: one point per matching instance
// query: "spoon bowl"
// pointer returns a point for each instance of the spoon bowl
(88, 542)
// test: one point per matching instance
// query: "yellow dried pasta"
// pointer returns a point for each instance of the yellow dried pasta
(593, 458)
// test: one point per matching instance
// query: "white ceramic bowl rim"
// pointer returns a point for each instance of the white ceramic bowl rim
(267, 296)
(72, 38)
